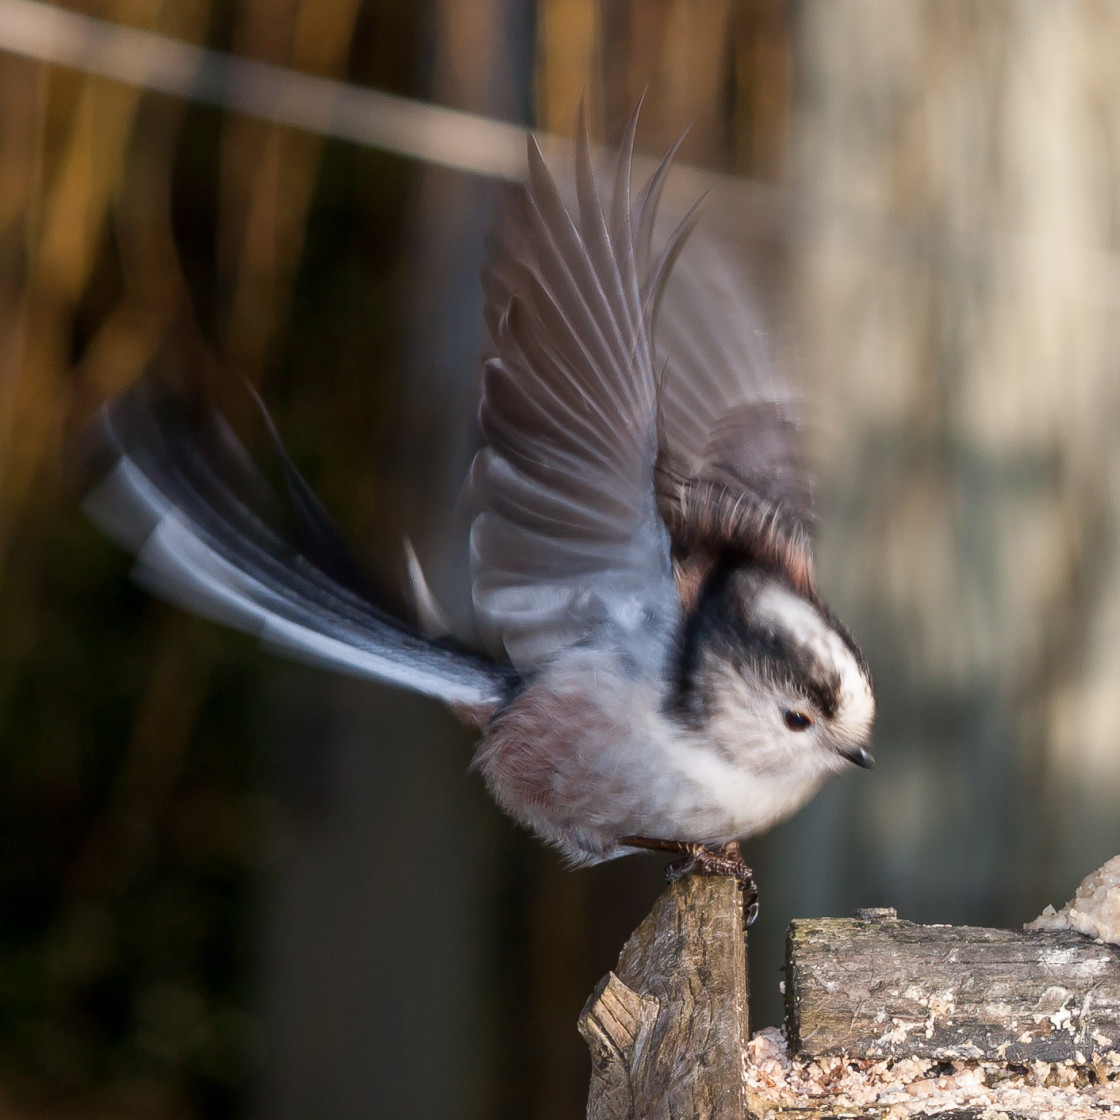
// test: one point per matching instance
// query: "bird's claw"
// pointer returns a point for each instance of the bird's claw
(724, 860)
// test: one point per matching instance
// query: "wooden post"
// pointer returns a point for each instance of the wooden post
(667, 1028)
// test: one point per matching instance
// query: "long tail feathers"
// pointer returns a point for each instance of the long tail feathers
(189, 503)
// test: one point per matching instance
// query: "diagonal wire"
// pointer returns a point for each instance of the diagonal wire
(347, 112)
(496, 149)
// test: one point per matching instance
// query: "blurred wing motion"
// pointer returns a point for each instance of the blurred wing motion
(632, 392)
(569, 540)
(731, 474)
(634, 433)
(192, 507)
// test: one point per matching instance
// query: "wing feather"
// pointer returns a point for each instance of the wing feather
(568, 538)
(732, 473)
(631, 400)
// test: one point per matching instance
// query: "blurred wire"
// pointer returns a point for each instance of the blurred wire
(276, 93)
(447, 137)
(479, 145)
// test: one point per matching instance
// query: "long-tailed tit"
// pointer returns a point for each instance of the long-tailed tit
(660, 670)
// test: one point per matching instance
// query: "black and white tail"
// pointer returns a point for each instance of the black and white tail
(198, 515)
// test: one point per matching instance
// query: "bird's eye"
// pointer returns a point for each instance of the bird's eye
(797, 721)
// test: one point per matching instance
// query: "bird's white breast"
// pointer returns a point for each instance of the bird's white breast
(587, 754)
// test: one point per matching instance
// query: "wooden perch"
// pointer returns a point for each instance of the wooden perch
(668, 1027)
(876, 987)
(884, 1018)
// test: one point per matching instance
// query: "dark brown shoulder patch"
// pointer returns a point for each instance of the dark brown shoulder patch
(705, 517)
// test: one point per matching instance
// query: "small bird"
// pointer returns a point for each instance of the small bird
(659, 670)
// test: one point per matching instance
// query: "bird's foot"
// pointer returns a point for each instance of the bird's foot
(724, 860)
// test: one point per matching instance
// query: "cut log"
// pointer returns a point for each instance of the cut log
(877, 987)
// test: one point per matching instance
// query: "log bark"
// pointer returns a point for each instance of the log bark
(877, 987)
(667, 1028)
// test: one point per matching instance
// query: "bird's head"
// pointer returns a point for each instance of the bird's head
(770, 677)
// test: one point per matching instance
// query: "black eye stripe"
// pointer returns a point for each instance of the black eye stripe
(768, 652)
(685, 700)
(773, 653)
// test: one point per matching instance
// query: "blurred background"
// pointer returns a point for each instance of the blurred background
(232, 887)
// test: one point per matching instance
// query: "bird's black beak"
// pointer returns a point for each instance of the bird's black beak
(861, 756)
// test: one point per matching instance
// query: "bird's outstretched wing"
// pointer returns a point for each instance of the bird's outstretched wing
(569, 538)
(187, 500)
(732, 475)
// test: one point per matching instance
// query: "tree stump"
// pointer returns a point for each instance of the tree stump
(668, 1027)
